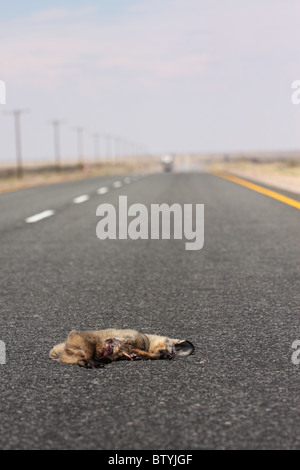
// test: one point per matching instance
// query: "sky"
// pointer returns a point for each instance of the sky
(178, 76)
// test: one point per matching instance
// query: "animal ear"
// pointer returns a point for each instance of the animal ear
(184, 348)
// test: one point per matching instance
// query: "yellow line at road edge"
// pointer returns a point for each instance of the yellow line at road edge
(259, 189)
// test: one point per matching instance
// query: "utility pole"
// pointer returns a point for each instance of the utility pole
(96, 147)
(79, 131)
(116, 151)
(127, 150)
(113, 149)
(117, 148)
(17, 115)
(107, 146)
(120, 147)
(56, 128)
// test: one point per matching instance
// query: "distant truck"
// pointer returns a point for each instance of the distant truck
(167, 163)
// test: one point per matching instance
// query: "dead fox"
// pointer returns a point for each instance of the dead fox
(95, 348)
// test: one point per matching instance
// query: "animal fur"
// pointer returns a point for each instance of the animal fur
(95, 348)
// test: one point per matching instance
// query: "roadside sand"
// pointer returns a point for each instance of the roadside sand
(281, 175)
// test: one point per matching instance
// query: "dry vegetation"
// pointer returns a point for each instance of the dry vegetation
(42, 175)
(278, 171)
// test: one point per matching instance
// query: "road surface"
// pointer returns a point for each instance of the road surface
(237, 300)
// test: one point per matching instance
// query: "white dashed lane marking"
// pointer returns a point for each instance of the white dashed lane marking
(81, 199)
(40, 216)
(103, 190)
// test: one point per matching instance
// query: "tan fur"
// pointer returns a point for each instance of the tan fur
(94, 348)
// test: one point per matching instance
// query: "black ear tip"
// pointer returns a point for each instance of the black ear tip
(184, 348)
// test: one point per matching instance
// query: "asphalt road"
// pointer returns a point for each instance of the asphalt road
(237, 300)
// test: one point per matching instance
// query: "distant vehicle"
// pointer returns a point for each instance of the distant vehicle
(167, 163)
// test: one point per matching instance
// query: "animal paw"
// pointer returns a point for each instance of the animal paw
(165, 354)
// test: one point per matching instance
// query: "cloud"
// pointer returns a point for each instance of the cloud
(232, 61)
(151, 40)
(53, 14)
(189, 66)
(52, 46)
